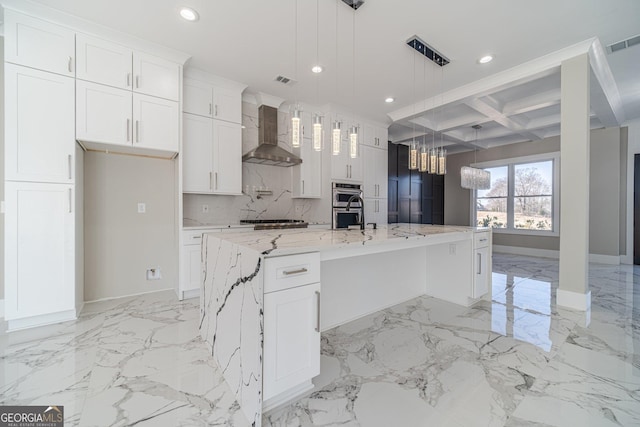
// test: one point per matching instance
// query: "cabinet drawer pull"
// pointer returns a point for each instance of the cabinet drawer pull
(298, 271)
(479, 263)
(69, 161)
(483, 240)
(196, 237)
(318, 311)
(69, 65)
(70, 201)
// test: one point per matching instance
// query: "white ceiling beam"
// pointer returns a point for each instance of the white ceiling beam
(497, 116)
(532, 103)
(605, 97)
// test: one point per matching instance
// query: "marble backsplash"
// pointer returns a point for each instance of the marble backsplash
(231, 209)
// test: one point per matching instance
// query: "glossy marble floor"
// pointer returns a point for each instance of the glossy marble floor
(516, 361)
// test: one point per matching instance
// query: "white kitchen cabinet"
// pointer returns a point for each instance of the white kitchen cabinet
(38, 44)
(103, 114)
(212, 150)
(375, 136)
(291, 338)
(375, 210)
(375, 172)
(155, 122)
(215, 101)
(156, 76)
(481, 264)
(39, 251)
(104, 62)
(39, 126)
(345, 168)
(306, 178)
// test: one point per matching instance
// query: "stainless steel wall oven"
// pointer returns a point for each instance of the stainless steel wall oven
(341, 193)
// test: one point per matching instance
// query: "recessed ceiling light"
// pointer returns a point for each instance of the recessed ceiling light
(389, 100)
(317, 69)
(189, 14)
(485, 59)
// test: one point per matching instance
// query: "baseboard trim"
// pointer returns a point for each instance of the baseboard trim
(604, 259)
(574, 300)
(519, 250)
(129, 295)
(192, 293)
(287, 396)
(45, 319)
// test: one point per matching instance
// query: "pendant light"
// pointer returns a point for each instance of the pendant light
(423, 165)
(296, 138)
(424, 158)
(475, 178)
(413, 146)
(353, 142)
(442, 152)
(317, 131)
(353, 131)
(336, 131)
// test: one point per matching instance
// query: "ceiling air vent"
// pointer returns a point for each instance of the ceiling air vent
(285, 80)
(623, 44)
(427, 51)
(354, 3)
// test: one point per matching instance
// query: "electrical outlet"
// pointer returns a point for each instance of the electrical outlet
(154, 273)
(142, 207)
(452, 249)
(205, 208)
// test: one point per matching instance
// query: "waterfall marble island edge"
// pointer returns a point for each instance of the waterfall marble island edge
(315, 280)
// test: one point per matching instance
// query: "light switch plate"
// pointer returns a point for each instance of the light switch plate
(142, 208)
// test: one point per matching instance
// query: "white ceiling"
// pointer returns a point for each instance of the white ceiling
(253, 41)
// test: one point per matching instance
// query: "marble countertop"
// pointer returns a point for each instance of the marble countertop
(286, 242)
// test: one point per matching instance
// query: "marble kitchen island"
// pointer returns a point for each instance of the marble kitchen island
(267, 295)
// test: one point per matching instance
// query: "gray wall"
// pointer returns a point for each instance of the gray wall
(607, 200)
(2, 165)
(120, 244)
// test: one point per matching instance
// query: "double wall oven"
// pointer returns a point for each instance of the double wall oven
(341, 193)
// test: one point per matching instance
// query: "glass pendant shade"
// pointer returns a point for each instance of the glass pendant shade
(424, 159)
(442, 161)
(317, 132)
(474, 178)
(353, 142)
(336, 137)
(433, 161)
(413, 156)
(295, 128)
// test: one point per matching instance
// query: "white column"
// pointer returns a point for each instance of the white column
(574, 291)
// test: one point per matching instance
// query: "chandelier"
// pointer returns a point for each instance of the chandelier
(475, 178)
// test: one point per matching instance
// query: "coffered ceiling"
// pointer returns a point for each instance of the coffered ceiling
(365, 57)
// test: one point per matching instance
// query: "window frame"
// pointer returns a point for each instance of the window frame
(510, 163)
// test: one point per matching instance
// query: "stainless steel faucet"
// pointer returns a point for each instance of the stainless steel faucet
(351, 199)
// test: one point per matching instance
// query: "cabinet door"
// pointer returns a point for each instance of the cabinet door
(39, 128)
(39, 249)
(155, 123)
(156, 76)
(197, 154)
(101, 61)
(191, 268)
(370, 160)
(38, 44)
(355, 166)
(340, 166)
(307, 176)
(227, 104)
(198, 98)
(227, 172)
(291, 338)
(103, 114)
(381, 173)
(481, 272)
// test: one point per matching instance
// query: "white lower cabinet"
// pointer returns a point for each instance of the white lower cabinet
(375, 210)
(40, 278)
(481, 264)
(191, 262)
(291, 326)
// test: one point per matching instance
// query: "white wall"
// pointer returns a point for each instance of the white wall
(120, 243)
(633, 148)
(2, 171)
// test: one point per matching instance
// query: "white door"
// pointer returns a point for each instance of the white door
(38, 44)
(39, 249)
(227, 105)
(101, 61)
(103, 114)
(39, 127)
(481, 272)
(156, 76)
(155, 123)
(197, 154)
(198, 98)
(227, 172)
(291, 338)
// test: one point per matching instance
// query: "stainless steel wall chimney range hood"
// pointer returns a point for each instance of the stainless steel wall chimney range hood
(268, 152)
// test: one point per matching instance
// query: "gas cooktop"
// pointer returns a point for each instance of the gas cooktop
(273, 224)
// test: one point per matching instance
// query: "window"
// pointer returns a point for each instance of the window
(522, 197)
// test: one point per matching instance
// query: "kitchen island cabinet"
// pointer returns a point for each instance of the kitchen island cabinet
(356, 280)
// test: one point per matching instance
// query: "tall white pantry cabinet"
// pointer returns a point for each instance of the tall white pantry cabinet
(44, 262)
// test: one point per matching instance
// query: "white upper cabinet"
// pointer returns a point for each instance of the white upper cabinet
(307, 176)
(103, 114)
(375, 136)
(155, 123)
(227, 162)
(215, 101)
(375, 172)
(197, 154)
(38, 44)
(156, 76)
(104, 62)
(39, 127)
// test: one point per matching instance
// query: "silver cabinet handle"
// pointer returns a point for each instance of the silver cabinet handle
(298, 271)
(128, 129)
(216, 113)
(69, 64)
(128, 79)
(210, 180)
(69, 160)
(303, 186)
(479, 263)
(215, 175)
(137, 130)
(347, 171)
(138, 82)
(70, 201)
(196, 237)
(318, 311)
(210, 109)
(483, 240)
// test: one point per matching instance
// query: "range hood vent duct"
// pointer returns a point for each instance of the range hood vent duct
(268, 152)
